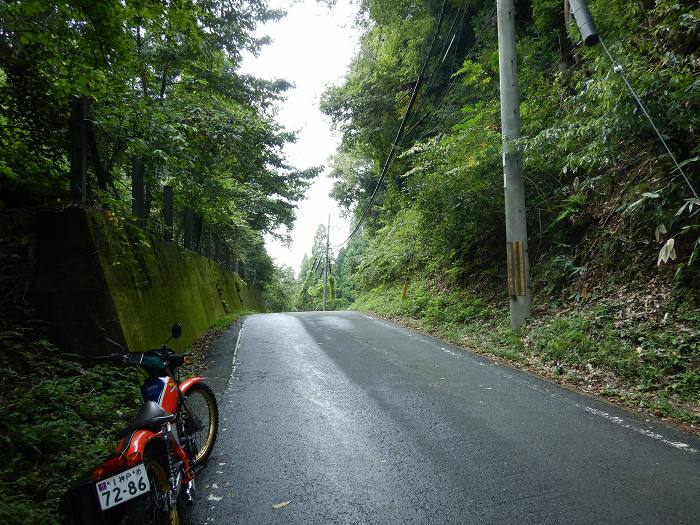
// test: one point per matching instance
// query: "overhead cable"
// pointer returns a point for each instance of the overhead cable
(453, 81)
(399, 133)
(617, 68)
(313, 266)
(444, 52)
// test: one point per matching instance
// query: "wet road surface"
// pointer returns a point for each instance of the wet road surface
(353, 419)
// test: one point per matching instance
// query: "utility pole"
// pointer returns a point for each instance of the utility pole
(325, 268)
(516, 225)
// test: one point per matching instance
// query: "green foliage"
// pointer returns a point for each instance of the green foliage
(455, 307)
(309, 287)
(58, 418)
(597, 179)
(163, 84)
(653, 360)
(224, 322)
(279, 290)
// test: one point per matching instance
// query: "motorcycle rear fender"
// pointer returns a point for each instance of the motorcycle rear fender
(133, 450)
(187, 383)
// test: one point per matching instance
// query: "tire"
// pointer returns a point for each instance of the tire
(202, 401)
(144, 510)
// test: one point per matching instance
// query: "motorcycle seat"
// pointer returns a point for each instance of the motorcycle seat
(151, 417)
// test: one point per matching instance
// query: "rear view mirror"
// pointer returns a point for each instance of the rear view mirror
(176, 331)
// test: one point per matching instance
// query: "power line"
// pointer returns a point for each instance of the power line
(617, 68)
(451, 35)
(444, 51)
(397, 139)
(453, 81)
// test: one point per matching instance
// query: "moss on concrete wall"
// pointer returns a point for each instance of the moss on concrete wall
(137, 284)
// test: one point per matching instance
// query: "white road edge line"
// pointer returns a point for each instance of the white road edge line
(235, 349)
(648, 433)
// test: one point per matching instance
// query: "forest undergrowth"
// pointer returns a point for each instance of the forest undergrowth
(59, 416)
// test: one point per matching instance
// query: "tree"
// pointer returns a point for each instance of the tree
(164, 88)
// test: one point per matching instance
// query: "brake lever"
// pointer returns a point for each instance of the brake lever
(108, 357)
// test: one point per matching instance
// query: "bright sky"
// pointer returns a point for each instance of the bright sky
(312, 48)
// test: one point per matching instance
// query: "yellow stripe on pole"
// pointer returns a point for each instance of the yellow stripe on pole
(516, 267)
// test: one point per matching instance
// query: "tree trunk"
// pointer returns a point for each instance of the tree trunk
(198, 224)
(188, 219)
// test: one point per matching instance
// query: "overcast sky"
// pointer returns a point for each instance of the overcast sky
(312, 48)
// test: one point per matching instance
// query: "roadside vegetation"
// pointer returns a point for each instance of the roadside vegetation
(59, 414)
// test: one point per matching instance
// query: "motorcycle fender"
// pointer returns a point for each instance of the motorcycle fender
(187, 383)
(137, 445)
(139, 442)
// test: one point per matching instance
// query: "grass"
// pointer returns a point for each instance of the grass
(642, 362)
(226, 321)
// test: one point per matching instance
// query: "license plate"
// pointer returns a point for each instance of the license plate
(122, 487)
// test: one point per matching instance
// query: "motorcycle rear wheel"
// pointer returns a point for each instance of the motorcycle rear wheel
(151, 509)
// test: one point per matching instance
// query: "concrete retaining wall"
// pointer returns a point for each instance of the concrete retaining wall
(98, 276)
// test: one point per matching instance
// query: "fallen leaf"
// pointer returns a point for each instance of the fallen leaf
(280, 505)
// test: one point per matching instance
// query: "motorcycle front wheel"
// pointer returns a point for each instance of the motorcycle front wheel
(201, 403)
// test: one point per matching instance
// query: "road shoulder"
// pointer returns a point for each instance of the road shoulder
(539, 372)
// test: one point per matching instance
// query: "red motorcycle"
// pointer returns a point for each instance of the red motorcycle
(150, 477)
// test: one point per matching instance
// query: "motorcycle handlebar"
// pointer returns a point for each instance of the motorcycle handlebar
(158, 357)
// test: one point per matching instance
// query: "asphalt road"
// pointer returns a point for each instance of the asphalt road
(353, 419)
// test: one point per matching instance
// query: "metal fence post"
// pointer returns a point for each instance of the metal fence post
(138, 195)
(78, 150)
